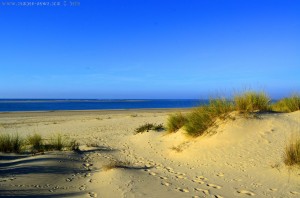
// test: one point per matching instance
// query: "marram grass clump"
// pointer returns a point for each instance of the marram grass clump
(289, 104)
(203, 117)
(175, 122)
(198, 121)
(36, 142)
(292, 152)
(11, 143)
(251, 102)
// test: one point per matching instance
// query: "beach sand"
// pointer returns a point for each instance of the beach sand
(243, 158)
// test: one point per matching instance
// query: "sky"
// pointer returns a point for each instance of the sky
(149, 49)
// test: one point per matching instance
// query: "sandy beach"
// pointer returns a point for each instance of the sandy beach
(242, 159)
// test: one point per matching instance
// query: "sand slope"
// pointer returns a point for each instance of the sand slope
(243, 158)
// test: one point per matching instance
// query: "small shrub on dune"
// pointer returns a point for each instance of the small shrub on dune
(175, 122)
(11, 143)
(158, 127)
(145, 127)
(148, 127)
(290, 104)
(292, 152)
(252, 101)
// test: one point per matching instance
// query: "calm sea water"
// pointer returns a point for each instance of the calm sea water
(53, 105)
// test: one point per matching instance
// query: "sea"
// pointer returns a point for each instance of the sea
(13, 105)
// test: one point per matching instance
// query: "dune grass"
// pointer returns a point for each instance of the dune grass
(175, 122)
(148, 127)
(203, 117)
(57, 142)
(11, 143)
(220, 107)
(36, 142)
(287, 105)
(292, 152)
(249, 102)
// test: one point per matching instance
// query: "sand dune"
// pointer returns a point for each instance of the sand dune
(242, 159)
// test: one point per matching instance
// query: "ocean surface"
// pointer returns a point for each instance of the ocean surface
(9, 105)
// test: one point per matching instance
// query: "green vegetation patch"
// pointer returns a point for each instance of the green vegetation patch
(252, 101)
(290, 104)
(11, 143)
(148, 127)
(175, 122)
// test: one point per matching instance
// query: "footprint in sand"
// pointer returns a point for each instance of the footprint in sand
(220, 174)
(205, 192)
(214, 186)
(69, 179)
(246, 192)
(178, 173)
(152, 173)
(218, 196)
(295, 193)
(182, 190)
(180, 177)
(238, 180)
(82, 188)
(198, 181)
(202, 178)
(163, 177)
(92, 194)
(165, 184)
(273, 189)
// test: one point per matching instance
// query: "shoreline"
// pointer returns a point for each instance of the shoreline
(87, 112)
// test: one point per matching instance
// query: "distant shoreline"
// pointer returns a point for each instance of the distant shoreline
(87, 112)
(94, 105)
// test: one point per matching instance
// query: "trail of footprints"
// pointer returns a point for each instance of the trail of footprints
(168, 174)
(176, 177)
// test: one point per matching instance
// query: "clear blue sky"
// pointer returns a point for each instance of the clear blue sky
(149, 48)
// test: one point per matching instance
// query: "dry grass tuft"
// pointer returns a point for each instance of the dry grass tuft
(292, 152)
